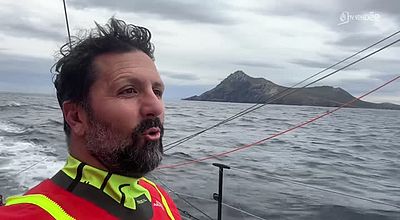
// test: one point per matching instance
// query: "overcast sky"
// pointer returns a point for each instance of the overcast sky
(199, 43)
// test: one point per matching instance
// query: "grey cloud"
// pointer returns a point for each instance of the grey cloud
(25, 74)
(389, 65)
(303, 10)
(386, 77)
(20, 28)
(391, 7)
(180, 76)
(330, 16)
(310, 63)
(362, 86)
(290, 8)
(321, 64)
(18, 64)
(24, 25)
(357, 40)
(193, 11)
(257, 64)
(385, 65)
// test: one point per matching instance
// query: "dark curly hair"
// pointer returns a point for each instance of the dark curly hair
(74, 71)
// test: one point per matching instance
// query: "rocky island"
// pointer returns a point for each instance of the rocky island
(239, 87)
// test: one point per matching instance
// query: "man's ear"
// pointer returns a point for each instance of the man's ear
(76, 117)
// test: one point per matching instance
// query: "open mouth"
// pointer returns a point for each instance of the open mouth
(152, 134)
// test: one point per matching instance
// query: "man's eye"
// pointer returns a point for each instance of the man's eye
(128, 91)
(158, 92)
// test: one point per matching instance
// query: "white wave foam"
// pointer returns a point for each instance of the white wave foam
(26, 157)
(11, 128)
(13, 104)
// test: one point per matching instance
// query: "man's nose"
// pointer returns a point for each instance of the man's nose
(152, 105)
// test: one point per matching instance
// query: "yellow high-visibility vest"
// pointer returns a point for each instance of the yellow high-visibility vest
(43, 202)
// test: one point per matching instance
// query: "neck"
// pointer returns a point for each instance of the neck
(78, 150)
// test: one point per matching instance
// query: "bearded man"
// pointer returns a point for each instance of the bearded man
(110, 93)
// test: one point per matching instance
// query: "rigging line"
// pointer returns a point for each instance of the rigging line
(327, 75)
(205, 199)
(66, 22)
(255, 107)
(274, 176)
(185, 158)
(269, 100)
(323, 77)
(70, 46)
(283, 179)
(279, 133)
(187, 202)
(23, 170)
(227, 205)
(187, 214)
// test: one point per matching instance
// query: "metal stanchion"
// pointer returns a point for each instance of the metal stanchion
(218, 196)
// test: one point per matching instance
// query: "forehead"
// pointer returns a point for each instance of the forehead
(136, 64)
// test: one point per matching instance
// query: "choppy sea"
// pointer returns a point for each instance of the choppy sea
(343, 166)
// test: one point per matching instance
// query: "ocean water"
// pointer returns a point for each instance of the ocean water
(343, 166)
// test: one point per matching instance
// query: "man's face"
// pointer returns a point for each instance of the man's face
(126, 113)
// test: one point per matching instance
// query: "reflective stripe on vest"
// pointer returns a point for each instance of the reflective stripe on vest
(43, 202)
(164, 201)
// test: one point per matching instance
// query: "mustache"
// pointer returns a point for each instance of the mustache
(149, 123)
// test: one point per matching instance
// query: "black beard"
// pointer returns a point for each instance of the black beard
(124, 155)
(136, 161)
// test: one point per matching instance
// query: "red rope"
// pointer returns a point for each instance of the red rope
(277, 134)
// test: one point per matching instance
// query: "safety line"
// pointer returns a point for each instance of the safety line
(354, 177)
(187, 213)
(256, 106)
(209, 200)
(284, 179)
(274, 176)
(27, 168)
(225, 204)
(276, 134)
